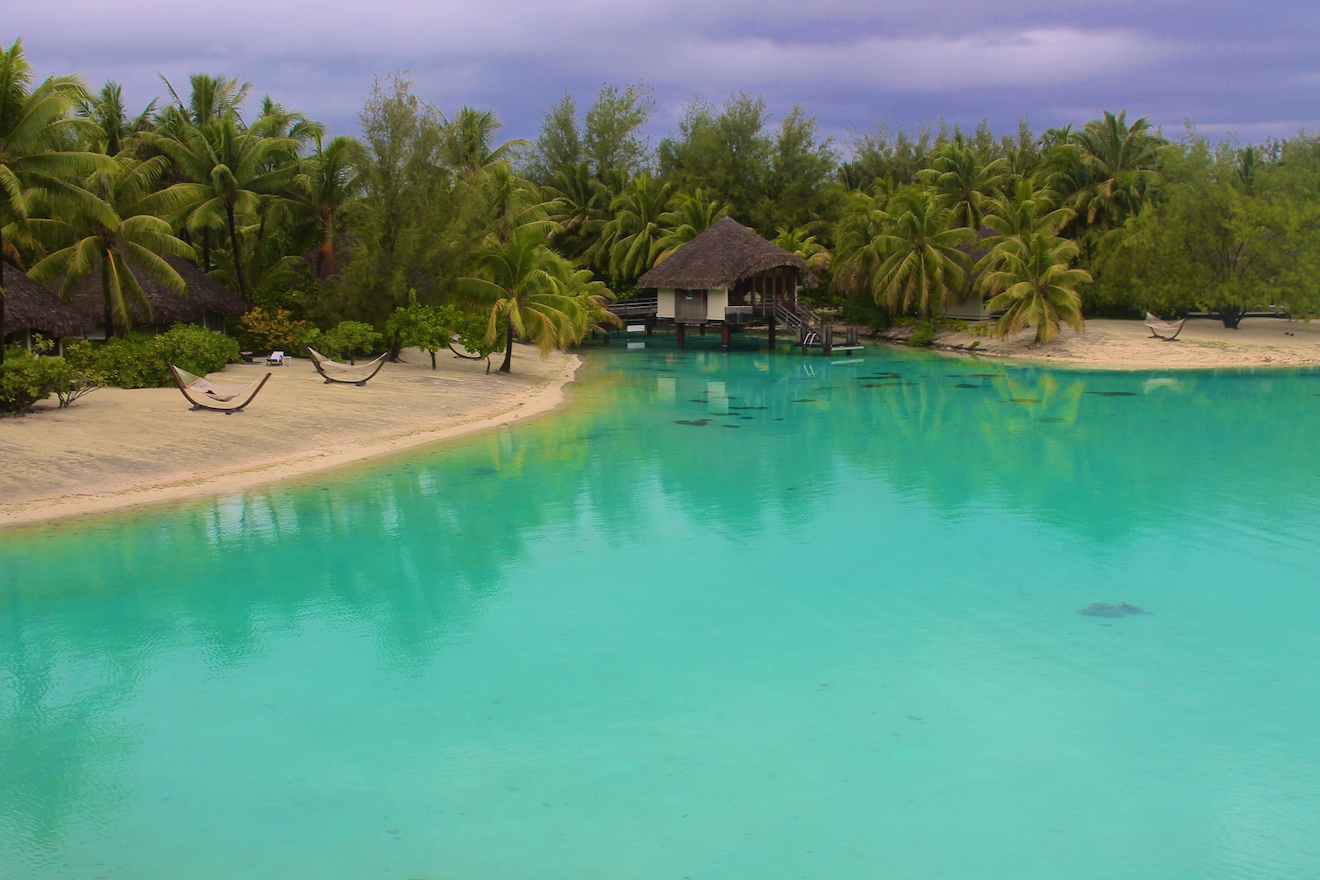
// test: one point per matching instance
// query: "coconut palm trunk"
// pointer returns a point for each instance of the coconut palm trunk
(2, 297)
(507, 366)
(238, 253)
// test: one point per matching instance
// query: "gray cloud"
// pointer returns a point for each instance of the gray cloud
(847, 61)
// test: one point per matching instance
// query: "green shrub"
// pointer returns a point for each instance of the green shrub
(26, 379)
(139, 361)
(348, 340)
(923, 335)
(271, 329)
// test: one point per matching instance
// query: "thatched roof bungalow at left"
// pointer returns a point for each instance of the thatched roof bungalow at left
(31, 307)
(206, 302)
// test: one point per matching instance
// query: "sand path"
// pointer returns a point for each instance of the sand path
(117, 448)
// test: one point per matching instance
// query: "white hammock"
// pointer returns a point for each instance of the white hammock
(349, 374)
(1159, 327)
(203, 394)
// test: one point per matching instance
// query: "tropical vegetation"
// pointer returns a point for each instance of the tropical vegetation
(426, 228)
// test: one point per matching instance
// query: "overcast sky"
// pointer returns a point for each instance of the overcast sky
(1246, 67)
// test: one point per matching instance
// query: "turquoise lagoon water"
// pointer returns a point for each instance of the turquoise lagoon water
(725, 616)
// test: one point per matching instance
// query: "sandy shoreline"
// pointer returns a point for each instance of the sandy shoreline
(117, 448)
(1108, 344)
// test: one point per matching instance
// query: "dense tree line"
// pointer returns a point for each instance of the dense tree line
(426, 221)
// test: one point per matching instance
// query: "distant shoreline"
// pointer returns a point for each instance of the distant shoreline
(1110, 344)
(156, 452)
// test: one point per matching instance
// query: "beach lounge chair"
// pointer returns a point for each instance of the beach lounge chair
(220, 398)
(348, 374)
(1163, 329)
(276, 359)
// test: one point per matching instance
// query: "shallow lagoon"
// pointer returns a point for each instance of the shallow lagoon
(738, 615)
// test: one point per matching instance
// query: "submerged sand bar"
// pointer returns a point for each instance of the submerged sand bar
(117, 448)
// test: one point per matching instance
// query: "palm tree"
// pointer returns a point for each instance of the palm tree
(528, 289)
(1023, 209)
(577, 203)
(865, 219)
(964, 183)
(630, 237)
(209, 98)
(468, 141)
(692, 214)
(35, 126)
(1108, 168)
(226, 172)
(113, 250)
(1031, 276)
(330, 179)
(801, 240)
(923, 265)
(106, 109)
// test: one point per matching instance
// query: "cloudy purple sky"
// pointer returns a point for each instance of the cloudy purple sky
(1247, 67)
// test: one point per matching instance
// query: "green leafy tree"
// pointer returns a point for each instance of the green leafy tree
(429, 328)
(558, 146)
(348, 339)
(578, 204)
(799, 185)
(106, 109)
(527, 290)
(1210, 244)
(728, 153)
(921, 264)
(690, 215)
(1031, 277)
(330, 179)
(965, 182)
(467, 141)
(226, 170)
(631, 237)
(612, 139)
(118, 243)
(35, 130)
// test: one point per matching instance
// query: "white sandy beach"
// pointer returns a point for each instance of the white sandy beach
(1128, 345)
(119, 448)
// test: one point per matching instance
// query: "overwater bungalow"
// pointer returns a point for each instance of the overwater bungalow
(32, 308)
(728, 276)
(206, 303)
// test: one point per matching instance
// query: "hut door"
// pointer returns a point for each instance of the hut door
(690, 306)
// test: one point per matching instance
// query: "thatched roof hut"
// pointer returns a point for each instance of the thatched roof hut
(34, 307)
(723, 255)
(205, 302)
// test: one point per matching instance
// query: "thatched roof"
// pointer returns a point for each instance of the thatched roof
(204, 294)
(721, 256)
(33, 306)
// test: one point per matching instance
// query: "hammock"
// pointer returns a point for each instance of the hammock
(349, 374)
(1158, 328)
(207, 395)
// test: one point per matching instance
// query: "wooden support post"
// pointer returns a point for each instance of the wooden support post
(726, 337)
(678, 328)
(607, 337)
(772, 332)
(828, 340)
(650, 325)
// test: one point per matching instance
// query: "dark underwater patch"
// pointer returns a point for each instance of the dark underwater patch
(1113, 393)
(1104, 609)
(696, 423)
